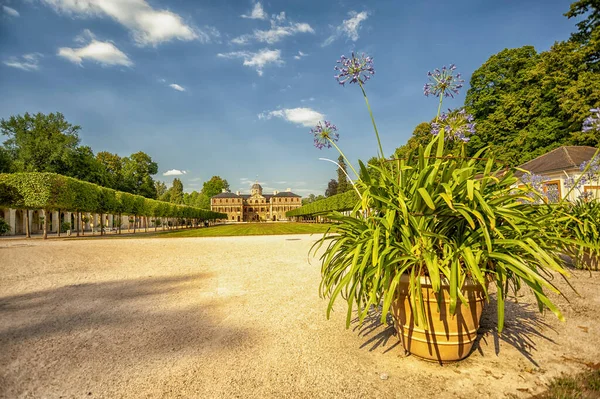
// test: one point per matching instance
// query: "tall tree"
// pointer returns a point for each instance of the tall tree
(177, 191)
(343, 184)
(161, 188)
(40, 143)
(83, 165)
(113, 169)
(5, 161)
(138, 169)
(210, 188)
(332, 188)
(586, 28)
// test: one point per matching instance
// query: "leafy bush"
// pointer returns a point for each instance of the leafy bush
(4, 227)
(339, 202)
(65, 226)
(53, 191)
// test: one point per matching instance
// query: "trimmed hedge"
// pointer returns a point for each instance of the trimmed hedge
(53, 191)
(340, 202)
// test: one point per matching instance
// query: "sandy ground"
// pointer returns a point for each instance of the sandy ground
(241, 317)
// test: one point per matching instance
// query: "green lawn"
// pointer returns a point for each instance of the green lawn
(249, 229)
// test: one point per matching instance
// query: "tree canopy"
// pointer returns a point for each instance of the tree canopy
(527, 103)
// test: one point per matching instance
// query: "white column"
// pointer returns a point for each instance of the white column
(12, 218)
(68, 219)
(54, 218)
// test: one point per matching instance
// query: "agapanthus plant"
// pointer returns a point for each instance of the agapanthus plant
(437, 217)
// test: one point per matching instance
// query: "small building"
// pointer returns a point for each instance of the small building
(256, 206)
(558, 165)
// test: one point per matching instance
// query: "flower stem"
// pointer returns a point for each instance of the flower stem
(342, 154)
(372, 118)
(439, 108)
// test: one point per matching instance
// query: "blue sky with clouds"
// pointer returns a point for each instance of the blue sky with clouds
(232, 87)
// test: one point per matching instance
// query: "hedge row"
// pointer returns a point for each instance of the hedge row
(52, 191)
(339, 202)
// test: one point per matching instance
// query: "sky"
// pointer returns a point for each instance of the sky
(233, 87)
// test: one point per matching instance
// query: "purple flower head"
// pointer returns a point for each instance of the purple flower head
(593, 172)
(324, 134)
(443, 82)
(570, 183)
(535, 183)
(354, 69)
(592, 122)
(457, 125)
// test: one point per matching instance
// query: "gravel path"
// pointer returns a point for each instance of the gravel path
(241, 317)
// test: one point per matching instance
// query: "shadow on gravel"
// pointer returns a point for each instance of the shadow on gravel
(115, 326)
(522, 324)
(375, 333)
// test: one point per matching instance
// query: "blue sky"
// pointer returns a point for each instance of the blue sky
(231, 87)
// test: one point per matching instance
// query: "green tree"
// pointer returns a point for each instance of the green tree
(212, 187)
(177, 192)
(138, 170)
(5, 161)
(586, 28)
(343, 184)
(161, 188)
(40, 143)
(83, 165)
(332, 188)
(113, 169)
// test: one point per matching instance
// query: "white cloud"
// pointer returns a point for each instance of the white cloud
(348, 28)
(148, 26)
(257, 60)
(176, 87)
(27, 62)
(307, 99)
(104, 53)
(257, 12)
(300, 55)
(174, 172)
(10, 11)
(276, 33)
(301, 116)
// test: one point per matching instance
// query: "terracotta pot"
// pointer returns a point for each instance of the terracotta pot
(448, 338)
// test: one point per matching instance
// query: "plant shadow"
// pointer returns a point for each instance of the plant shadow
(523, 325)
(376, 333)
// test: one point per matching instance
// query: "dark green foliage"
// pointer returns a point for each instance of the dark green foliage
(332, 188)
(343, 183)
(40, 143)
(5, 161)
(137, 173)
(53, 191)
(340, 202)
(4, 227)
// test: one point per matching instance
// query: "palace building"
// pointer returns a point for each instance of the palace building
(255, 206)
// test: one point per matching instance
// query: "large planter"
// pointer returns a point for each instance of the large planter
(448, 338)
